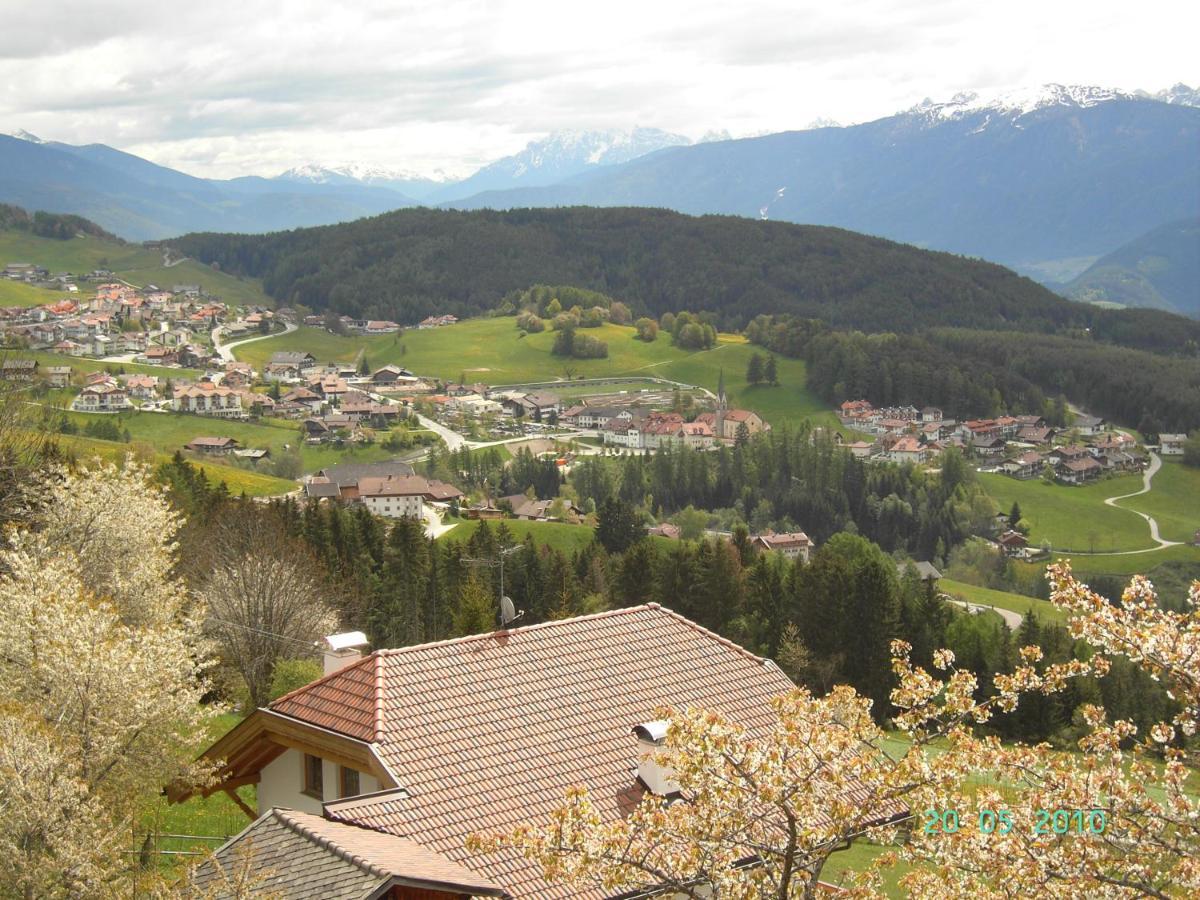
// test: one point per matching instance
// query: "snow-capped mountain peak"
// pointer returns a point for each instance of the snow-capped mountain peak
(22, 135)
(580, 149)
(1015, 103)
(360, 173)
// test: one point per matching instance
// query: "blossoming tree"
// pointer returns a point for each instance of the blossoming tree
(102, 677)
(759, 814)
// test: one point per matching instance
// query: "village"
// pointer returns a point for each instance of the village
(1019, 446)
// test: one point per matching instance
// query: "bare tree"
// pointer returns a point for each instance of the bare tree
(264, 592)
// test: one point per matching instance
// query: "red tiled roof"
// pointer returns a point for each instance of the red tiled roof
(345, 701)
(488, 732)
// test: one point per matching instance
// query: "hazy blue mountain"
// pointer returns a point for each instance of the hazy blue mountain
(1160, 269)
(559, 156)
(139, 200)
(410, 184)
(1026, 179)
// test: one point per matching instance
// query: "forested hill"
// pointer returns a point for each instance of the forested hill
(412, 263)
(60, 226)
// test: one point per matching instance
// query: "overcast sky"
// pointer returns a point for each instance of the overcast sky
(231, 87)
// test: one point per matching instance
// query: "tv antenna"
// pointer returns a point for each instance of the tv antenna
(508, 610)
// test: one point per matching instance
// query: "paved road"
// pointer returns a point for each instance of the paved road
(1011, 619)
(1147, 477)
(225, 351)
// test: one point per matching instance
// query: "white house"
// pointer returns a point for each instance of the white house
(105, 397)
(1172, 444)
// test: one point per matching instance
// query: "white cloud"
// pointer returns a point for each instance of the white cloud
(232, 87)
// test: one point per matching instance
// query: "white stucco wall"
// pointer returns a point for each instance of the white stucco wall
(282, 781)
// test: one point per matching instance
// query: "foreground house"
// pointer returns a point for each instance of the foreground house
(436, 742)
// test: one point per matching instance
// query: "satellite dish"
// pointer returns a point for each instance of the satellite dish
(508, 612)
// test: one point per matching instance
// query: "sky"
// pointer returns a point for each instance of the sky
(221, 88)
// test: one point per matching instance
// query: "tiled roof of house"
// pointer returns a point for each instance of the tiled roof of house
(305, 857)
(488, 732)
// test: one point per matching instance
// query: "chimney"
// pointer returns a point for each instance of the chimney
(340, 650)
(658, 779)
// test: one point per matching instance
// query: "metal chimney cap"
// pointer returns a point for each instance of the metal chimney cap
(346, 640)
(652, 732)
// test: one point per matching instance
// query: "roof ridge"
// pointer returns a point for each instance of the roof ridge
(327, 843)
(556, 623)
(378, 717)
(324, 678)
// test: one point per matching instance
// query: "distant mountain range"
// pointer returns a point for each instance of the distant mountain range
(1042, 181)
(1045, 180)
(139, 200)
(1160, 270)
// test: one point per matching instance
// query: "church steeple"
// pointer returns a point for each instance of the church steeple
(722, 404)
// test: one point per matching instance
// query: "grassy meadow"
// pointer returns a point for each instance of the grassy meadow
(1074, 518)
(131, 262)
(1018, 603)
(237, 481)
(560, 536)
(168, 432)
(1174, 501)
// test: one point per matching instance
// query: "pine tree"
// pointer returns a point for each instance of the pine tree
(475, 612)
(771, 371)
(754, 369)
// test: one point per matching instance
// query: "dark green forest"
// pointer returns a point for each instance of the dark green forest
(971, 372)
(411, 263)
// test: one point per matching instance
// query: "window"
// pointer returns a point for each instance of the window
(313, 785)
(350, 786)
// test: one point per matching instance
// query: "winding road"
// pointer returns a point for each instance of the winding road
(225, 351)
(1011, 619)
(1147, 478)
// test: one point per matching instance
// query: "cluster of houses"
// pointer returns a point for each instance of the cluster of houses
(634, 428)
(348, 325)
(1021, 446)
(157, 326)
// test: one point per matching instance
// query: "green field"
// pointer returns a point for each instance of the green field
(14, 293)
(492, 351)
(133, 263)
(83, 364)
(1074, 518)
(1018, 603)
(1127, 563)
(237, 481)
(567, 538)
(1173, 501)
(168, 432)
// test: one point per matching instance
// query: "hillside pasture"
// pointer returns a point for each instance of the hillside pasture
(1074, 518)
(133, 263)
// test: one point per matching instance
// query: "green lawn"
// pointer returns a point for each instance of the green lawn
(1174, 501)
(567, 538)
(1046, 611)
(132, 262)
(1074, 518)
(492, 351)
